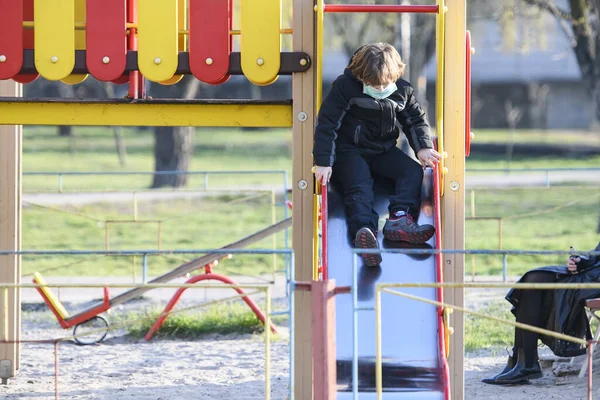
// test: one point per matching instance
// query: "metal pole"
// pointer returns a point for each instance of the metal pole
(378, 366)
(504, 267)
(547, 178)
(106, 236)
(56, 370)
(60, 183)
(292, 338)
(590, 364)
(500, 233)
(268, 343)
(473, 203)
(135, 206)
(145, 269)
(286, 234)
(274, 239)
(5, 313)
(354, 327)
(205, 181)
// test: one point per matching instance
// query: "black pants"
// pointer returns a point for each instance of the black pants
(354, 173)
(529, 312)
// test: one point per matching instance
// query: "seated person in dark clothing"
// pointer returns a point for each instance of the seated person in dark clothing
(558, 310)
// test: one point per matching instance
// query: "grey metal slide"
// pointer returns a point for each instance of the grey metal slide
(413, 367)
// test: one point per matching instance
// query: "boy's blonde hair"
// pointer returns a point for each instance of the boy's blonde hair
(377, 64)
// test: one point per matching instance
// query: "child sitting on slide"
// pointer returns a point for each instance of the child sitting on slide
(357, 129)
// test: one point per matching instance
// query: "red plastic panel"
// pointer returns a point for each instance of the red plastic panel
(210, 42)
(11, 38)
(106, 39)
(27, 40)
(121, 80)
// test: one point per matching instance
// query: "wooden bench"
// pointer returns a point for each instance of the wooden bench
(592, 307)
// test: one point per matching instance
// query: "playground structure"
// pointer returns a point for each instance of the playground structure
(126, 41)
(86, 318)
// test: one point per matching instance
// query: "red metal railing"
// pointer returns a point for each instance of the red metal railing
(380, 8)
(137, 87)
(440, 278)
(324, 264)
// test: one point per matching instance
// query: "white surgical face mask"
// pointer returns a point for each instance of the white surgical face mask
(380, 94)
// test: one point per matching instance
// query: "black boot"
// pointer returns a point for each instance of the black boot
(520, 372)
(510, 364)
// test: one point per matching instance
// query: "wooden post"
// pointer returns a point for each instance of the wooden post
(10, 236)
(323, 335)
(453, 201)
(302, 184)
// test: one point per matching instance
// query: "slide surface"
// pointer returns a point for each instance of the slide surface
(412, 364)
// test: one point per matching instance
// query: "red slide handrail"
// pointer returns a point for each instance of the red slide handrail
(440, 279)
(324, 263)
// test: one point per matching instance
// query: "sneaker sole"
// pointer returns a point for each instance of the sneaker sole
(414, 238)
(366, 240)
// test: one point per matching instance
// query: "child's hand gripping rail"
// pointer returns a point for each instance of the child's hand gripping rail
(320, 229)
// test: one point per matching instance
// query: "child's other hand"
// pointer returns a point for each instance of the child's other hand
(323, 174)
(428, 157)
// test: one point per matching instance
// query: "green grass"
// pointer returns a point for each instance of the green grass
(203, 223)
(210, 223)
(536, 218)
(537, 137)
(93, 150)
(482, 333)
(225, 319)
(498, 161)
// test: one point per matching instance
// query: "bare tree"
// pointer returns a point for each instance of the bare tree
(581, 22)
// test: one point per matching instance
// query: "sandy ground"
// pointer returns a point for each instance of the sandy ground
(217, 367)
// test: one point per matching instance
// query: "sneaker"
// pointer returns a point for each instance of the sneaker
(365, 239)
(402, 227)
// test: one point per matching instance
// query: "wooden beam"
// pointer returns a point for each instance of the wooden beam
(323, 325)
(146, 113)
(10, 237)
(304, 121)
(453, 200)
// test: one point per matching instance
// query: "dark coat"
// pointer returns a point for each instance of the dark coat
(563, 310)
(350, 120)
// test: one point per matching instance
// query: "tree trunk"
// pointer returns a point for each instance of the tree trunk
(172, 152)
(120, 145)
(65, 92)
(65, 130)
(173, 148)
(109, 92)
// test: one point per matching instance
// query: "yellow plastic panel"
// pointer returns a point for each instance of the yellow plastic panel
(182, 22)
(54, 38)
(157, 41)
(166, 113)
(58, 306)
(79, 41)
(261, 40)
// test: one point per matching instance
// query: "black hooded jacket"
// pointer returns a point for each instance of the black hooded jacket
(350, 120)
(563, 310)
